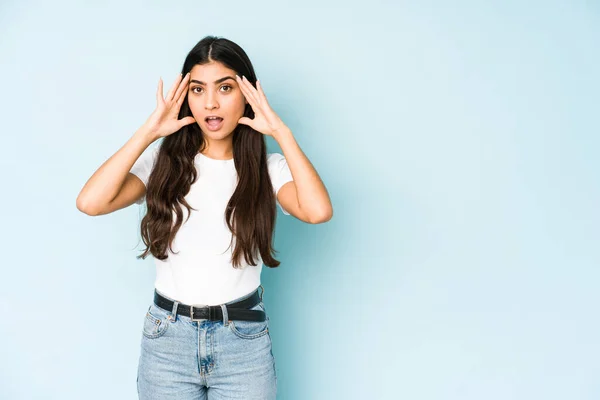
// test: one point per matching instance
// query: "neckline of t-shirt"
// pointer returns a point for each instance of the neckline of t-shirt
(230, 160)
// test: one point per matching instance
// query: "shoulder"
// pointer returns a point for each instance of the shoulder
(154, 151)
(274, 157)
(142, 167)
(279, 171)
(276, 161)
(150, 153)
(277, 164)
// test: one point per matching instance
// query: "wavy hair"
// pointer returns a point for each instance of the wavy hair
(251, 211)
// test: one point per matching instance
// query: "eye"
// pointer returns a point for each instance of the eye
(227, 86)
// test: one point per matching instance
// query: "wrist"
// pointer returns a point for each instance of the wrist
(281, 133)
(147, 134)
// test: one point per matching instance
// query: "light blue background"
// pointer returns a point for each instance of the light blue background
(459, 144)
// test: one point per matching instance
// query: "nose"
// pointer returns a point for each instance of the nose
(211, 101)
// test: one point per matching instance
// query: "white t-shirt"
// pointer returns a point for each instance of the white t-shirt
(200, 271)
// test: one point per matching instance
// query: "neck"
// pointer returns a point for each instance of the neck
(218, 149)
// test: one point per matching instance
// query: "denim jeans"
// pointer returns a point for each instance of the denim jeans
(181, 359)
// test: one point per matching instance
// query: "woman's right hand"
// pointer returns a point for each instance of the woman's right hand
(164, 120)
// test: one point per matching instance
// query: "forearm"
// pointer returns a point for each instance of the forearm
(312, 195)
(104, 185)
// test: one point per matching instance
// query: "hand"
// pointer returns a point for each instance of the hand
(164, 120)
(265, 120)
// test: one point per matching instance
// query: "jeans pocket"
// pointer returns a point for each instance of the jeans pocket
(155, 322)
(250, 329)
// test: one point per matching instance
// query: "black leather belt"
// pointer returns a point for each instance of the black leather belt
(238, 310)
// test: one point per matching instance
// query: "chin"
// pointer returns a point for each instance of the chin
(219, 135)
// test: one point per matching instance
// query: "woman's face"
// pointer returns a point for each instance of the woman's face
(213, 90)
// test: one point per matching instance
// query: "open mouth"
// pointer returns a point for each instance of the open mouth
(214, 123)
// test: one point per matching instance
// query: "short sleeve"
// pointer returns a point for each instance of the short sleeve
(279, 173)
(143, 167)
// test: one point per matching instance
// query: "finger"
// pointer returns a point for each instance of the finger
(248, 94)
(182, 96)
(186, 121)
(172, 90)
(244, 86)
(159, 92)
(261, 93)
(245, 121)
(182, 86)
(252, 90)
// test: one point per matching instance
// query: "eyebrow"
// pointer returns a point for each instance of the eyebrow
(215, 82)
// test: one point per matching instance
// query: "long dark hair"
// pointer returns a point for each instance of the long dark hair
(251, 211)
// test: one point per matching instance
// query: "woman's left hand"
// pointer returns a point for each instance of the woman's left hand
(265, 120)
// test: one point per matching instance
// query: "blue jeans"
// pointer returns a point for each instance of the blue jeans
(181, 359)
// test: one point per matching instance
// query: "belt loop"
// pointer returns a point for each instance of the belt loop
(262, 292)
(225, 316)
(173, 316)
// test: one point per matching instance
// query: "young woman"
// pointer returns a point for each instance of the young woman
(211, 192)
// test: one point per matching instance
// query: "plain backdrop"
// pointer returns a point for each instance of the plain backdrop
(458, 142)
